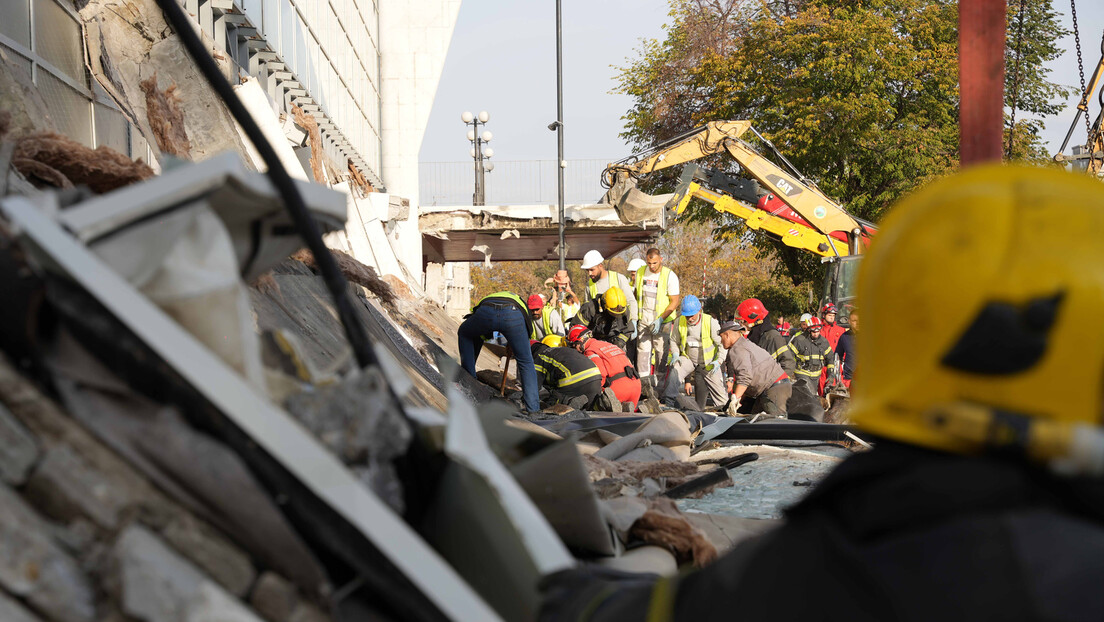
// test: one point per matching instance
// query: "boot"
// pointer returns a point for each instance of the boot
(647, 389)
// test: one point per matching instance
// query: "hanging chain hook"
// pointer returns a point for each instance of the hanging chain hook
(1016, 78)
(1083, 105)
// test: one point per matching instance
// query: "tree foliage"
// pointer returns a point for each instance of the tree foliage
(861, 95)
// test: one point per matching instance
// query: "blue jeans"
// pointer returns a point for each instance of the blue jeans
(507, 319)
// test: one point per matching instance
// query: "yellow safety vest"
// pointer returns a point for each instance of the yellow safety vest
(662, 299)
(546, 319)
(592, 286)
(707, 336)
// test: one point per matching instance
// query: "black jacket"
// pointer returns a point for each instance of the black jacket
(845, 350)
(767, 337)
(606, 326)
(902, 533)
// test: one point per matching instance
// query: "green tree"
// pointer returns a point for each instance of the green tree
(861, 95)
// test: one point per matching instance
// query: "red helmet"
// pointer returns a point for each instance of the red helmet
(814, 322)
(828, 308)
(578, 333)
(535, 302)
(751, 310)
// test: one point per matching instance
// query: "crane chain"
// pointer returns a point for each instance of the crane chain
(1016, 77)
(1080, 70)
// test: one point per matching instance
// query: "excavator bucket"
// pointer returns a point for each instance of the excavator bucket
(633, 205)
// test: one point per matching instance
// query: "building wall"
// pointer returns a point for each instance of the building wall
(44, 38)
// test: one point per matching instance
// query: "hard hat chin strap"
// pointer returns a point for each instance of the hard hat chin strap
(1067, 448)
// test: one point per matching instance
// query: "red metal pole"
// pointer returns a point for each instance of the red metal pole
(981, 38)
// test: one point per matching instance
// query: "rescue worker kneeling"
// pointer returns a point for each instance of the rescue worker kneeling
(570, 377)
(618, 373)
(983, 496)
(695, 351)
(758, 384)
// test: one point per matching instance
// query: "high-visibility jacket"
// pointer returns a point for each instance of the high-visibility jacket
(563, 367)
(812, 355)
(662, 299)
(767, 337)
(508, 297)
(709, 349)
(545, 328)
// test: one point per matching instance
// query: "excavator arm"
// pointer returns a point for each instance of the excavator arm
(800, 194)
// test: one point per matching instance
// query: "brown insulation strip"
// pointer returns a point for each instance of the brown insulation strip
(166, 119)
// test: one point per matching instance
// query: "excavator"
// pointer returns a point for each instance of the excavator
(1090, 156)
(783, 204)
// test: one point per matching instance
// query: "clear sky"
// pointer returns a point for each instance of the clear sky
(503, 54)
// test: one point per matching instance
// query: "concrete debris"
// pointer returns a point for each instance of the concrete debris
(354, 271)
(631, 478)
(355, 420)
(12, 611)
(166, 118)
(156, 584)
(486, 251)
(65, 487)
(130, 44)
(36, 569)
(18, 449)
(726, 532)
(274, 598)
(209, 550)
(22, 107)
(510, 233)
(308, 123)
(665, 436)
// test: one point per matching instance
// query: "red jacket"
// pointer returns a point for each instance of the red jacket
(610, 359)
(832, 333)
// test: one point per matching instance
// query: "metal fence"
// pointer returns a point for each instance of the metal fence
(517, 182)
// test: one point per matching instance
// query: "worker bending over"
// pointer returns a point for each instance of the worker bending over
(570, 377)
(983, 497)
(695, 350)
(502, 312)
(605, 317)
(599, 280)
(618, 373)
(757, 382)
(546, 319)
(762, 333)
(657, 299)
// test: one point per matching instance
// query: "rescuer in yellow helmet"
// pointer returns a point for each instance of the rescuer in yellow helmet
(606, 317)
(982, 389)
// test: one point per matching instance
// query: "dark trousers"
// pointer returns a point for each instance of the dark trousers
(579, 393)
(510, 321)
(773, 400)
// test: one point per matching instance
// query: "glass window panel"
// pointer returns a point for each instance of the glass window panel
(58, 39)
(138, 145)
(68, 108)
(15, 20)
(111, 129)
(16, 59)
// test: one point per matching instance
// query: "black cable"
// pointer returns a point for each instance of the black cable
(293, 201)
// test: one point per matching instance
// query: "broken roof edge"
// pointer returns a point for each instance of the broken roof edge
(479, 217)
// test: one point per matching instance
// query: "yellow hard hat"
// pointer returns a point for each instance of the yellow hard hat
(615, 300)
(553, 341)
(981, 297)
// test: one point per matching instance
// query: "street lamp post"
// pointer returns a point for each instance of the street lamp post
(479, 152)
(560, 162)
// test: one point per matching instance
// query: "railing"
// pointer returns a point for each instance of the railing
(516, 182)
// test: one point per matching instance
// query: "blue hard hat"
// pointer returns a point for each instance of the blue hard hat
(691, 305)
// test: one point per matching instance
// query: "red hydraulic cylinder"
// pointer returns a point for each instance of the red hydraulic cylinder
(981, 40)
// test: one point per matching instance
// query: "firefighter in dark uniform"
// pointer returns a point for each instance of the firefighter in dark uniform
(571, 377)
(606, 318)
(813, 355)
(983, 496)
(765, 335)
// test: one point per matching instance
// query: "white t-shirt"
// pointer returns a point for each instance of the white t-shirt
(651, 288)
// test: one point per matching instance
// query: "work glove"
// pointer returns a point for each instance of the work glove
(658, 324)
(733, 406)
(710, 366)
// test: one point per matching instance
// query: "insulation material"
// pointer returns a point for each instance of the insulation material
(128, 43)
(308, 123)
(659, 522)
(354, 271)
(46, 155)
(166, 119)
(259, 106)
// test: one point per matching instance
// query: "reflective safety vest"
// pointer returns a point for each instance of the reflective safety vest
(546, 319)
(550, 368)
(611, 277)
(709, 348)
(662, 299)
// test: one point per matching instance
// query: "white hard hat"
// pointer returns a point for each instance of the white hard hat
(805, 317)
(636, 264)
(591, 259)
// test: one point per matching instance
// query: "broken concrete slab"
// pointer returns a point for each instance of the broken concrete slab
(65, 487)
(726, 532)
(211, 552)
(274, 598)
(18, 449)
(156, 584)
(12, 611)
(35, 568)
